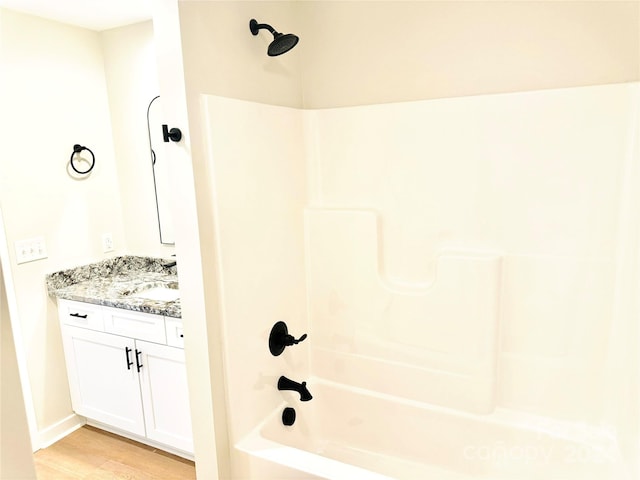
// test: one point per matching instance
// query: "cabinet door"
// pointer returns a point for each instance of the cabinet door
(163, 382)
(104, 386)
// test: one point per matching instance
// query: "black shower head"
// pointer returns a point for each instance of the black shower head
(282, 42)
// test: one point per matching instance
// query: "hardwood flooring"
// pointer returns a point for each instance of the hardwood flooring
(93, 454)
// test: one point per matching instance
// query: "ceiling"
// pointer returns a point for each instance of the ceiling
(92, 14)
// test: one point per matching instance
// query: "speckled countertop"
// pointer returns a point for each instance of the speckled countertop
(111, 283)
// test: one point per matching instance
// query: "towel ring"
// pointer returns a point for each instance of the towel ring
(77, 149)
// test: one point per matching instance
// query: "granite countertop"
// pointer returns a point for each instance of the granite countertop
(111, 283)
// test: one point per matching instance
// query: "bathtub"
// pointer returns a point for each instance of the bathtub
(348, 433)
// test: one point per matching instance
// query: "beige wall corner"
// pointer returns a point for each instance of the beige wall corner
(195, 250)
(16, 459)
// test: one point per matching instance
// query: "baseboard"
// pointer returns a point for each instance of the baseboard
(70, 424)
(143, 440)
(59, 430)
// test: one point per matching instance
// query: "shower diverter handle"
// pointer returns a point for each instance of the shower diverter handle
(279, 338)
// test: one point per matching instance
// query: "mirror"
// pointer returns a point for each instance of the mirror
(160, 168)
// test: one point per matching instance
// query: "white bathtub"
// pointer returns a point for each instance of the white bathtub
(353, 434)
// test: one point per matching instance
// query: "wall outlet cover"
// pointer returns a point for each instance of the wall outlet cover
(107, 242)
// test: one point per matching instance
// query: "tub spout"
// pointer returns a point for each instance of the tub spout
(285, 384)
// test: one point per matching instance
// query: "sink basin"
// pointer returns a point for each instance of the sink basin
(162, 294)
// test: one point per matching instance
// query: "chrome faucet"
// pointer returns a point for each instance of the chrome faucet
(285, 384)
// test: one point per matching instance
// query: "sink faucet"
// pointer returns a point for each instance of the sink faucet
(285, 384)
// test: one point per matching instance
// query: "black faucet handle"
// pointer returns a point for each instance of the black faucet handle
(279, 339)
(293, 341)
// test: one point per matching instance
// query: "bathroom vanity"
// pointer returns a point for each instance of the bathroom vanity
(123, 344)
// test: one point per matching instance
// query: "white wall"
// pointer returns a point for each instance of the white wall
(357, 53)
(54, 95)
(622, 406)
(260, 195)
(64, 85)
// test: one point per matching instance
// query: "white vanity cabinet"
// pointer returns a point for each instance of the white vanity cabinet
(126, 370)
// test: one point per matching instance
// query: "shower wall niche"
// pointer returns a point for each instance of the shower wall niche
(459, 252)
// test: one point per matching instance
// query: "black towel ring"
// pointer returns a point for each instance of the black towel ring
(77, 149)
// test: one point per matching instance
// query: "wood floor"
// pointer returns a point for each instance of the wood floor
(93, 454)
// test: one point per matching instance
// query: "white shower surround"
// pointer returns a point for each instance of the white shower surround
(357, 224)
(352, 433)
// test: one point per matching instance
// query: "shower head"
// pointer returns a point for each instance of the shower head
(282, 42)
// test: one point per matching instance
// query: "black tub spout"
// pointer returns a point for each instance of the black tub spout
(286, 384)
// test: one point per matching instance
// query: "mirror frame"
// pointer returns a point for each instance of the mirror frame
(163, 239)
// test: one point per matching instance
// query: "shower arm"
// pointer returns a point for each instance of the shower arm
(255, 27)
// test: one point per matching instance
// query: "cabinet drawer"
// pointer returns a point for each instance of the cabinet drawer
(175, 337)
(81, 314)
(143, 326)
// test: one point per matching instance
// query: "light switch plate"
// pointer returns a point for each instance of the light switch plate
(30, 249)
